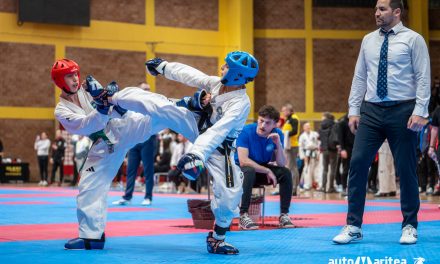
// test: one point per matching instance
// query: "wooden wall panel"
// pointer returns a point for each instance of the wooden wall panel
(25, 75)
(280, 14)
(334, 62)
(194, 14)
(281, 78)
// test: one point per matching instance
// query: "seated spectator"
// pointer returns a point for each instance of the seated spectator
(174, 174)
(257, 146)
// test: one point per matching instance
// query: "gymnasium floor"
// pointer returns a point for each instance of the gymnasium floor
(35, 222)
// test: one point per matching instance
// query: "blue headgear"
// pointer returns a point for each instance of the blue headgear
(243, 68)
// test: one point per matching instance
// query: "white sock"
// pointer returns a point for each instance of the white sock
(218, 237)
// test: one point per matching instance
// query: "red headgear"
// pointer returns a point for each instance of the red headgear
(60, 69)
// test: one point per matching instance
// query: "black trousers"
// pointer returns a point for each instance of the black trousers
(372, 175)
(346, 168)
(57, 164)
(427, 172)
(42, 164)
(251, 178)
(338, 176)
(378, 123)
(329, 161)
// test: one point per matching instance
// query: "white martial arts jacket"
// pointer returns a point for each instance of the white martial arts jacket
(84, 120)
(230, 110)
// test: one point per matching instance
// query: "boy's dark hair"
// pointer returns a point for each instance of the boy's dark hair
(269, 111)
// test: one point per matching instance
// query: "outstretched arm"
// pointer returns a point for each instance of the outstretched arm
(181, 73)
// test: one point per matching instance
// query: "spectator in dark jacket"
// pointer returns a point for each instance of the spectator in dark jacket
(434, 100)
(58, 148)
(291, 131)
(329, 153)
(1, 151)
(346, 141)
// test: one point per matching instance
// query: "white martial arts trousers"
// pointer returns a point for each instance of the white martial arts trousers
(386, 172)
(154, 113)
(225, 204)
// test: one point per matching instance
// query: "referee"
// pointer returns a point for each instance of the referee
(388, 100)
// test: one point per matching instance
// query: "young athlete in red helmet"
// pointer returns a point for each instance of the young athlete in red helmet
(99, 113)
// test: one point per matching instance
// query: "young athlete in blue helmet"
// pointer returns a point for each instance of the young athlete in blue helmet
(213, 148)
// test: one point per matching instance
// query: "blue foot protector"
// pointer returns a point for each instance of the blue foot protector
(215, 246)
(191, 166)
(85, 243)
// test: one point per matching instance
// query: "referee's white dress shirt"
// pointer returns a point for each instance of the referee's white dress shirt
(409, 71)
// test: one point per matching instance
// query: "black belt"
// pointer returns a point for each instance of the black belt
(391, 103)
(226, 151)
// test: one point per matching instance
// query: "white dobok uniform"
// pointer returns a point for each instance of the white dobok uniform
(230, 112)
(386, 171)
(150, 114)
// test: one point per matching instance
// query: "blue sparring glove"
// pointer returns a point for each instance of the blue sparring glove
(99, 94)
(191, 166)
(113, 88)
(155, 66)
(96, 90)
(103, 109)
(194, 103)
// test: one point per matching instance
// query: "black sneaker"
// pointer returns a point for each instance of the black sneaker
(285, 221)
(246, 223)
(215, 246)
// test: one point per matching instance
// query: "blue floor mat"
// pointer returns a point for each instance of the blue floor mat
(300, 245)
